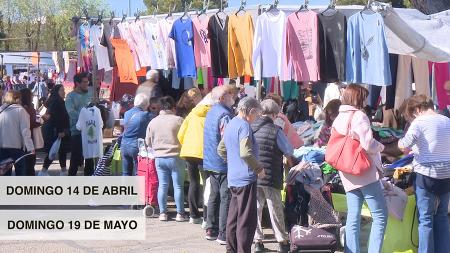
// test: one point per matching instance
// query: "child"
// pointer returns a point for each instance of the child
(331, 112)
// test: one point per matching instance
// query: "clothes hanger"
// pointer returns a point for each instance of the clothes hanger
(368, 8)
(170, 11)
(100, 18)
(204, 9)
(137, 15)
(220, 10)
(186, 11)
(113, 15)
(273, 6)
(304, 7)
(124, 17)
(331, 7)
(241, 8)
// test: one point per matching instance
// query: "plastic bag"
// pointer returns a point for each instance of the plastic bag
(206, 192)
(54, 150)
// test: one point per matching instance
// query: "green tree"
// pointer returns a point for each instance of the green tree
(164, 6)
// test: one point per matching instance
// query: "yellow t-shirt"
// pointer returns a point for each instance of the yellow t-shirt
(240, 45)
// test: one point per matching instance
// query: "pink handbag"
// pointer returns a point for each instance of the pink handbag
(345, 153)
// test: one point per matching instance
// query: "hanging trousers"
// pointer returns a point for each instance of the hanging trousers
(421, 74)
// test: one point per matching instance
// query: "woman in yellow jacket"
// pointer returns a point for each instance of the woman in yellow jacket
(191, 139)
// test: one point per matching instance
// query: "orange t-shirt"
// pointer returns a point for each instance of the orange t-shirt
(125, 61)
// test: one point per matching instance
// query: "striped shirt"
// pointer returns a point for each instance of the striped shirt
(429, 138)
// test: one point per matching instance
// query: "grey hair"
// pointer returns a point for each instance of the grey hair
(217, 93)
(142, 101)
(269, 107)
(247, 104)
(152, 75)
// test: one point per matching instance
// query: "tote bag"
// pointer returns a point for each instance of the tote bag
(345, 153)
(38, 139)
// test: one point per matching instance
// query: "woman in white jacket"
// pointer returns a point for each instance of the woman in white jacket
(15, 134)
(367, 186)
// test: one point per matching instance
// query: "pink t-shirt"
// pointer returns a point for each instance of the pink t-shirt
(302, 47)
(201, 42)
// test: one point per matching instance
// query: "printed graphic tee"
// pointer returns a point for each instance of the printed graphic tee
(302, 49)
(201, 42)
(183, 36)
(156, 45)
(90, 124)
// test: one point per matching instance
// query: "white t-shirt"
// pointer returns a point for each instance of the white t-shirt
(101, 52)
(269, 45)
(90, 124)
(156, 44)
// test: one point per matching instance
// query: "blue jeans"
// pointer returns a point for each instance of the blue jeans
(373, 195)
(129, 152)
(21, 166)
(170, 167)
(434, 235)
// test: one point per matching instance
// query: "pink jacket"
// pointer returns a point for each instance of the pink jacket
(283, 122)
(361, 130)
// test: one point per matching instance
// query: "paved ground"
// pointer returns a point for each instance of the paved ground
(161, 237)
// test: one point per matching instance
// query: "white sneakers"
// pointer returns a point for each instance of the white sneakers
(43, 172)
(195, 220)
(163, 217)
(204, 224)
(181, 218)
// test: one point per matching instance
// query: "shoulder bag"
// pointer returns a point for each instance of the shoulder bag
(345, 153)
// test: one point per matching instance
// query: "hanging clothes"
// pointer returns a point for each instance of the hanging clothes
(125, 34)
(441, 75)
(388, 92)
(110, 31)
(202, 48)
(183, 36)
(367, 59)
(86, 55)
(240, 45)
(332, 43)
(137, 32)
(290, 90)
(218, 36)
(90, 124)
(125, 61)
(421, 73)
(155, 42)
(101, 52)
(165, 26)
(268, 48)
(302, 49)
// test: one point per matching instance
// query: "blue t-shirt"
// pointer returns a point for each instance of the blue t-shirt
(239, 173)
(182, 34)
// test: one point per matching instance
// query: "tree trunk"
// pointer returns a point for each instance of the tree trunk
(431, 6)
(38, 36)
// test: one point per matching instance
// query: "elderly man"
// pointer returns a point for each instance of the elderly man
(150, 87)
(239, 148)
(272, 144)
(215, 122)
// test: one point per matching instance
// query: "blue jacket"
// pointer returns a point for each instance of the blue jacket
(212, 137)
(136, 126)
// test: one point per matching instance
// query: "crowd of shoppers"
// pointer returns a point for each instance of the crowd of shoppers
(240, 151)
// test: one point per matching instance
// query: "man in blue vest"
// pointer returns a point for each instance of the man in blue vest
(216, 120)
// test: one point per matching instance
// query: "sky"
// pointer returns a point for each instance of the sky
(122, 5)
